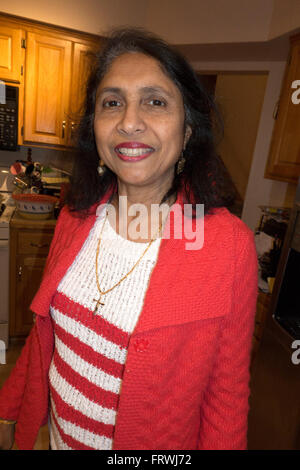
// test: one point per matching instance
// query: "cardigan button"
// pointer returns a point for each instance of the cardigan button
(140, 345)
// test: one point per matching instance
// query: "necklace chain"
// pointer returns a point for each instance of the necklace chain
(103, 292)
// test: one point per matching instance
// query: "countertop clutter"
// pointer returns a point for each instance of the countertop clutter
(37, 188)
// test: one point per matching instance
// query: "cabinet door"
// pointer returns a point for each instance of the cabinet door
(29, 275)
(47, 87)
(284, 158)
(10, 53)
(83, 60)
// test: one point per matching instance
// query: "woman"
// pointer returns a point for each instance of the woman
(140, 341)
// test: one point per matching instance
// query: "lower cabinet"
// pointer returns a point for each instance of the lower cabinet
(29, 248)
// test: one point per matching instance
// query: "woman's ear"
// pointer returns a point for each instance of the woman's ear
(187, 135)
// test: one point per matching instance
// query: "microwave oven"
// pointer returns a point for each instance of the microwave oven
(9, 107)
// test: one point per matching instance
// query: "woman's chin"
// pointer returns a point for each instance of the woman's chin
(133, 178)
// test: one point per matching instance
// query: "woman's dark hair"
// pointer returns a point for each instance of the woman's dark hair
(204, 178)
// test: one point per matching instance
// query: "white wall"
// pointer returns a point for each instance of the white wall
(240, 97)
(285, 17)
(210, 21)
(92, 16)
(260, 191)
(178, 21)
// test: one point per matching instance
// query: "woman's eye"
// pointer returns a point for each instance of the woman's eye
(157, 102)
(111, 104)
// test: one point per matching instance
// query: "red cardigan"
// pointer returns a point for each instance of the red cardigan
(186, 379)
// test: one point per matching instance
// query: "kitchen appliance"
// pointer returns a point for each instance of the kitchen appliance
(274, 416)
(9, 119)
(7, 210)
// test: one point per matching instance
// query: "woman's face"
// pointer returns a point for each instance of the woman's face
(139, 122)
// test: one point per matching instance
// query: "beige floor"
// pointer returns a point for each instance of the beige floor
(12, 354)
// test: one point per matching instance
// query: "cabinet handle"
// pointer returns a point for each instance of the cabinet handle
(63, 129)
(73, 126)
(20, 272)
(39, 245)
(276, 109)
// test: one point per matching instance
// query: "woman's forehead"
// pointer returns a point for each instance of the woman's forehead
(137, 70)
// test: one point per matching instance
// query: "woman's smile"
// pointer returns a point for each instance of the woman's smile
(133, 151)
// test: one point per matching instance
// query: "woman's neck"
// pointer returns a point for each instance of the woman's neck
(136, 214)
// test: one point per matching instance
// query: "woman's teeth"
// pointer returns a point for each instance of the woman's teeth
(134, 152)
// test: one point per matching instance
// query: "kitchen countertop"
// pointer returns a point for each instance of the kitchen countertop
(18, 221)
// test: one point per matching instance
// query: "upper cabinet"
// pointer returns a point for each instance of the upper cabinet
(56, 74)
(10, 52)
(83, 57)
(51, 66)
(284, 157)
(47, 87)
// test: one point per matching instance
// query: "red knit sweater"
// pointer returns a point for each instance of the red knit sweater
(186, 379)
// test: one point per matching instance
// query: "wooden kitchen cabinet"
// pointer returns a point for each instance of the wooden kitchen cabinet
(284, 157)
(83, 58)
(29, 246)
(56, 74)
(10, 52)
(51, 64)
(47, 88)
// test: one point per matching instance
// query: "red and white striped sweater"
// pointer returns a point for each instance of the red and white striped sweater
(90, 350)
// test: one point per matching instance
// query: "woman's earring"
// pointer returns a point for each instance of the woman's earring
(101, 168)
(180, 164)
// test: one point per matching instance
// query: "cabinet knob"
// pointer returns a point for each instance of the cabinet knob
(39, 245)
(63, 129)
(20, 272)
(73, 128)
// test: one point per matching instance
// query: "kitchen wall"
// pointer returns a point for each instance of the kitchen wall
(240, 97)
(92, 16)
(181, 22)
(260, 191)
(285, 17)
(194, 21)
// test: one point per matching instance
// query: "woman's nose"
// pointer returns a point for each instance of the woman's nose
(131, 121)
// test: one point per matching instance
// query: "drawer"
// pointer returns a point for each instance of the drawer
(34, 242)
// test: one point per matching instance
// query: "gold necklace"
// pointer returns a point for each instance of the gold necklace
(101, 292)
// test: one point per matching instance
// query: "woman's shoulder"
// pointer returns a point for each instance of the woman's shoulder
(69, 222)
(227, 225)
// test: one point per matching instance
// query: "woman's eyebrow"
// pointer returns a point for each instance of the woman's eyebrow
(109, 90)
(157, 89)
(146, 89)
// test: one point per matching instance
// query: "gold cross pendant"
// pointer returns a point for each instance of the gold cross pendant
(97, 305)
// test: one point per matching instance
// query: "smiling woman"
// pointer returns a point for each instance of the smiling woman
(139, 126)
(140, 342)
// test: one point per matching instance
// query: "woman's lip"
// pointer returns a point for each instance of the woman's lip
(127, 158)
(133, 145)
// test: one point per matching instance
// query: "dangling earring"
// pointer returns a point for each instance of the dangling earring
(180, 164)
(101, 168)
